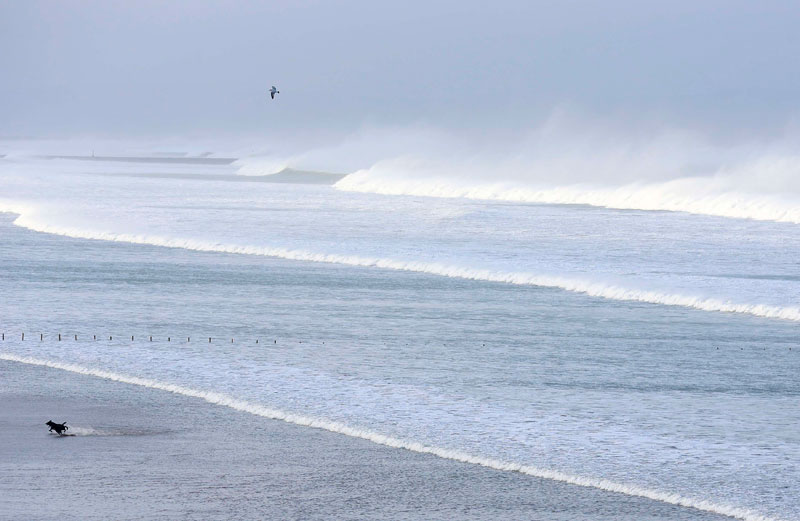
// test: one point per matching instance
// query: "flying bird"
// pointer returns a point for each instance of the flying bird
(273, 91)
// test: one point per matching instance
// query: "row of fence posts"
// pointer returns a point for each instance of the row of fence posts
(94, 337)
(169, 339)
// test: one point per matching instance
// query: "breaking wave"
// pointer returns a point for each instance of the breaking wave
(718, 195)
(390, 441)
(566, 160)
(586, 287)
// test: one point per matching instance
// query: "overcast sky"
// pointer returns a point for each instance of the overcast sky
(197, 67)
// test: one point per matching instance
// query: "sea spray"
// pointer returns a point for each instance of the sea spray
(565, 160)
(702, 196)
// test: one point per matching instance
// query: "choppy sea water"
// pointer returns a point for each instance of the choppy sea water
(650, 353)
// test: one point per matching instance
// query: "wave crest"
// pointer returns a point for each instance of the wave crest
(718, 195)
(586, 287)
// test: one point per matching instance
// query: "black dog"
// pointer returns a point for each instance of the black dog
(58, 427)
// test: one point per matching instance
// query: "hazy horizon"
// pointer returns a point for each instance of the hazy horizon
(203, 68)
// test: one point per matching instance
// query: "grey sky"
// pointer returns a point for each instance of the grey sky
(160, 67)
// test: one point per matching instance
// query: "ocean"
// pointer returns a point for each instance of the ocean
(646, 349)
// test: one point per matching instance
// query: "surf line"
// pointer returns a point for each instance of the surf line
(389, 441)
(589, 288)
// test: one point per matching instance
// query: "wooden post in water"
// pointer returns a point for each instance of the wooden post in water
(151, 338)
(169, 339)
(131, 338)
(209, 340)
(94, 337)
(41, 337)
(76, 337)
(59, 337)
(23, 336)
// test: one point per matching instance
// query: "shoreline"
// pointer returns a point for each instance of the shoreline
(146, 453)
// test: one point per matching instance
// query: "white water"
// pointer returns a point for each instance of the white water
(565, 161)
(716, 280)
(494, 243)
(594, 289)
(716, 196)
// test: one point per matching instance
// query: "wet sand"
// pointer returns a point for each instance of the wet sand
(140, 453)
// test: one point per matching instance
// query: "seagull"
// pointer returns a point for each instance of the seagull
(273, 91)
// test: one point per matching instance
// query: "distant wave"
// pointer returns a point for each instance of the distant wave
(587, 287)
(567, 160)
(704, 196)
(389, 441)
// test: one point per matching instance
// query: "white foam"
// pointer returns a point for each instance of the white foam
(569, 160)
(29, 219)
(91, 431)
(389, 441)
(85, 431)
(718, 196)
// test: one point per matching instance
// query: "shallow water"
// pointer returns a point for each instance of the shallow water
(144, 454)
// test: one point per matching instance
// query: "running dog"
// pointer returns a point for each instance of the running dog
(58, 427)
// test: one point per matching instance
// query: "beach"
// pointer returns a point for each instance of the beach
(394, 261)
(138, 453)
